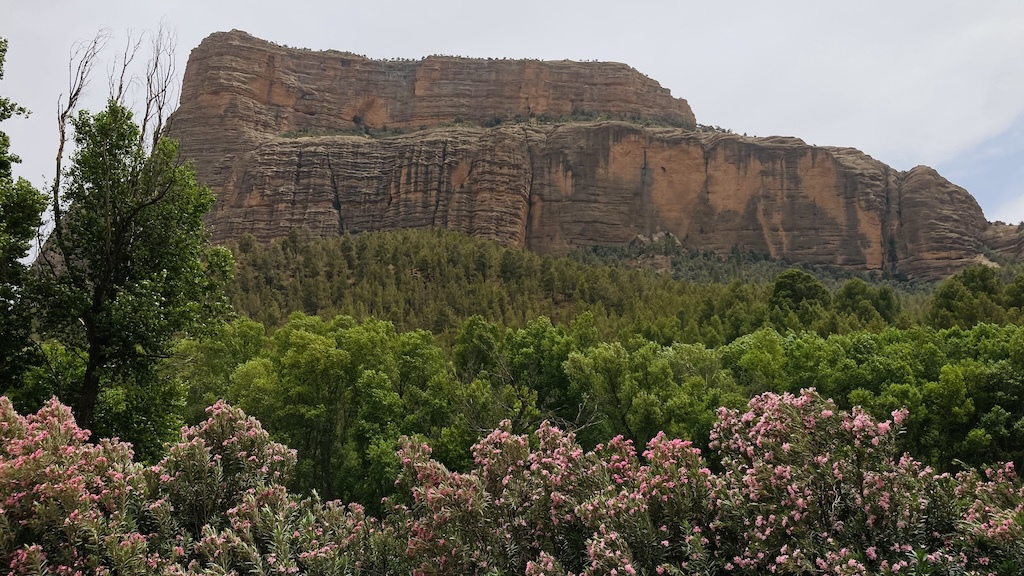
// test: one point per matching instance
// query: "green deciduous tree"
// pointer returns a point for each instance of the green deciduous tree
(21, 207)
(204, 365)
(800, 295)
(972, 296)
(343, 393)
(129, 266)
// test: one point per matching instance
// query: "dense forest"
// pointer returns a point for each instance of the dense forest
(424, 402)
(606, 350)
(434, 280)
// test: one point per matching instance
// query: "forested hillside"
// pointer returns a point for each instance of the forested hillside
(436, 334)
(434, 280)
(362, 344)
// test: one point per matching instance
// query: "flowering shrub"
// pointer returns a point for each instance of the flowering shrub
(807, 488)
(214, 504)
(993, 517)
(804, 489)
(272, 532)
(65, 503)
(662, 510)
(518, 505)
(216, 464)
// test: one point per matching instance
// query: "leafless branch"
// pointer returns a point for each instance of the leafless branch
(119, 81)
(160, 84)
(84, 56)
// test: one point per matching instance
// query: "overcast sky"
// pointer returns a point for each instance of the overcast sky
(911, 82)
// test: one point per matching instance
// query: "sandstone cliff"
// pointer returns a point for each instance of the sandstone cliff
(1006, 240)
(292, 138)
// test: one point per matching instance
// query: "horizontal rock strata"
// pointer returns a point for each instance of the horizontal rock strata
(290, 138)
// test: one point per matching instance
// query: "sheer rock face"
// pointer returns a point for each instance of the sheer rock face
(546, 186)
(1006, 239)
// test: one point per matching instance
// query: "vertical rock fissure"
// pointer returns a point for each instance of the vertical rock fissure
(336, 203)
(528, 213)
(897, 231)
(440, 193)
(646, 205)
(271, 72)
(706, 189)
(298, 178)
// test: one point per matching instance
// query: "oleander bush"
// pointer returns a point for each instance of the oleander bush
(799, 487)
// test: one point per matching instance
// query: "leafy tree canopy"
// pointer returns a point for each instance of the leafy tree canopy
(129, 267)
(21, 208)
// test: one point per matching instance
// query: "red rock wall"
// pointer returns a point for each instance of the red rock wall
(548, 187)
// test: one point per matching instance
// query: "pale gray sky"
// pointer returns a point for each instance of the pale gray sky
(911, 82)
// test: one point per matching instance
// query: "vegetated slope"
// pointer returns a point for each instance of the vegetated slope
(343, 392)
(434, 280)
(547, 155)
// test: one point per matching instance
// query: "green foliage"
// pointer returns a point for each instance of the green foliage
(436, 279)
(618, 351)
(975, 295)
(873, 306)
(21, 208)
(204, 366)
(646, 388)
(705, 267)
(342, 394)
(798, 299)
(963, 389)
(128, 269)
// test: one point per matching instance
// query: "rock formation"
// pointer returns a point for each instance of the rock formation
(576, 154)
(1006, 240)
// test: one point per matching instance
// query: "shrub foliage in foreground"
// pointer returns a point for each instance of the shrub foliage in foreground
(804, 489)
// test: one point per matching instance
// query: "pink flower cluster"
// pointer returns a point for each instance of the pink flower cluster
(215, 465)
(809, 488)
(67, 505)
(801, 488)
(213, 504)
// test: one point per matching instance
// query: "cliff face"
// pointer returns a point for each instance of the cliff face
(239, 91)
(271, 131)
(1006, 239)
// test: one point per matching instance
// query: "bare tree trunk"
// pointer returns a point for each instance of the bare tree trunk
(90, 388)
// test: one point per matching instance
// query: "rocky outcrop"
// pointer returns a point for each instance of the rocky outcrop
(1006, 240)
(239, 90)
(272, 131)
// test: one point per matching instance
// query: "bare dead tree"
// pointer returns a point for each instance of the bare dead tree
(161, 90)
(120, 81)
(159, 93)
(84, 56)
(158, 86)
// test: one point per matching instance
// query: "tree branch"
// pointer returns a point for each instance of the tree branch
(83, 59)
